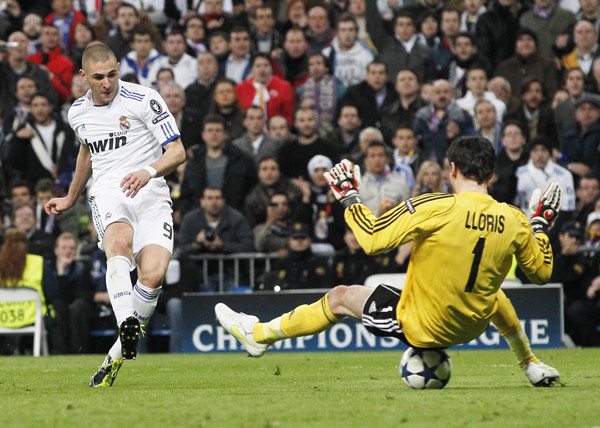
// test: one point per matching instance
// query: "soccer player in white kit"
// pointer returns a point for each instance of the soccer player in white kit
(123, 129)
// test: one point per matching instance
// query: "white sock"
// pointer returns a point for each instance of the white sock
(144, 301)
(118, 285)
(116, 351)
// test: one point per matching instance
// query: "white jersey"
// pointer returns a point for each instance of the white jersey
(530, 178)
(125, 135)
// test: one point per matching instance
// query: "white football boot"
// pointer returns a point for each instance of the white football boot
(541, 374)
(240, 326)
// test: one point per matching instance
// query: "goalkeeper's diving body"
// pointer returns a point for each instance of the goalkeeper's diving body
(463, 247)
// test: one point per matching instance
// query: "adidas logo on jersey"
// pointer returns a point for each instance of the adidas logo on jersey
(372, 308)
(111, 143)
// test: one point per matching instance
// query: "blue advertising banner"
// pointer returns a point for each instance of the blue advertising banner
(539, 310)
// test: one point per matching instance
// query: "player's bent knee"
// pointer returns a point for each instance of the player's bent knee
(152, 278)
(120, 246)
(336, 299)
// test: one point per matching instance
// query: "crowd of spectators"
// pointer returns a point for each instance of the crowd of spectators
(270, 94)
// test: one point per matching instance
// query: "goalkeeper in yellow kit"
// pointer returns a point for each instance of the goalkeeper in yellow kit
(463, 249)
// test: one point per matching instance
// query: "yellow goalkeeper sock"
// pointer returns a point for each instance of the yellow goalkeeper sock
(519, 345)
(506, 321)
(302, 321)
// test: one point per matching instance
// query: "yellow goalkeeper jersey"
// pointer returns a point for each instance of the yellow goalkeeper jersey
(463, 249)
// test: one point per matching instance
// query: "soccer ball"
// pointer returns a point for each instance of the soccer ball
(425, 368)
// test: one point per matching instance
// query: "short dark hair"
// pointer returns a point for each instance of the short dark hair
(410, 70)
(139, 31)
(347, 17)
(187, 21)
(253, 107)
(405, 125)
(130, 77)
(176, 32)
(527, 82)
(48, 25)
(378, 143)
(260, 55)
(377, 62)
(451, 10)
(465, 35)
(19, 183)
(267, 158)
(325, 59)
(222, 34)
(572, 69)
(43, 95)
(125, 4)
(517, 123)
(45, 185)
(405, 14)
(162, 70)
(239, 29)
(213, 118)
(474, 157)
(212, 188)
(477, 66)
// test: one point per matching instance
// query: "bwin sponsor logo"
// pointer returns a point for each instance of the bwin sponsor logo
(111, 143)
(121, 294)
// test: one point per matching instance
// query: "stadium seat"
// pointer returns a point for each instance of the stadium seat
(24, 294)
(394, 279)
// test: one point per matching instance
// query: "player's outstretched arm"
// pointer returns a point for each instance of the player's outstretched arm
(83, 172)
(173, 156)
(535, 258)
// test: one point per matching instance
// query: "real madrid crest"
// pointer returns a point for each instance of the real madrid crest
(124, 123)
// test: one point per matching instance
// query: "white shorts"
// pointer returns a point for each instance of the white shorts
(149, 213)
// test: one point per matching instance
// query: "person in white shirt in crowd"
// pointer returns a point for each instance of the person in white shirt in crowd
(476, 85)
(489, 127)
(348, 55)
(184, 66)
(539, 172)
(141, 57)
(237, 65)
(407, 156)
(381, 188)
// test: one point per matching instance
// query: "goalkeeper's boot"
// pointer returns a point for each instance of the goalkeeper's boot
(129, 334)
(541, 374)
(107, 373)
(240, 326)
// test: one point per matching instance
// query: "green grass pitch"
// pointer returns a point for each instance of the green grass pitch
(358, 389)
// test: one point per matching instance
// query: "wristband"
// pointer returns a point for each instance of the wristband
(151, 170)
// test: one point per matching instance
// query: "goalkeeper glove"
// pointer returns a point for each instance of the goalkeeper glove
(344, 180)
(544, 207)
